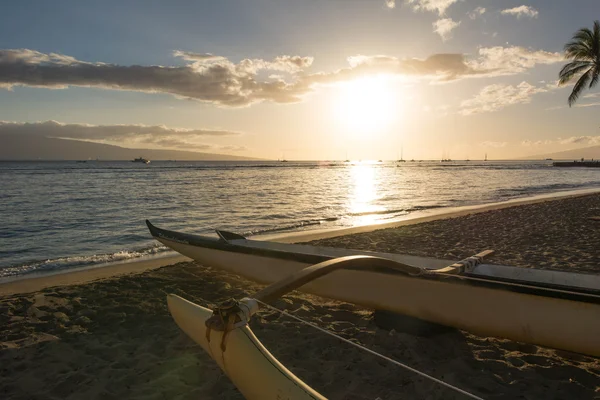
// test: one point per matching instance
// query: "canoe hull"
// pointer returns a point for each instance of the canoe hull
(484, 309)
(254, 371)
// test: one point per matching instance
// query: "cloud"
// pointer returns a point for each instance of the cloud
(197, 57)
(536, 142)
(493, 144)
(512, 60)
(219, 81)
(588, 105)
(580, 140)
(390, 3)
(444, 27)
(123, 135)
(291, 64)
(522, 11)
(438, 67)
(489, 62)
(498, 96)
(439, 6)
(208, 78)
(34, 57)
(477, 12)
(591, 95)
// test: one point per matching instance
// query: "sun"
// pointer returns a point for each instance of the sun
(367, 105)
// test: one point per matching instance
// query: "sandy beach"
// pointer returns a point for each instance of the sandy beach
(558, 234)
(112, 338)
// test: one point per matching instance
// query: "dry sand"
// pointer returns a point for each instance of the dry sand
(559, 234)
(113, 338)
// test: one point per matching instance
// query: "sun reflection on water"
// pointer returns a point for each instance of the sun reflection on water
(364, 194)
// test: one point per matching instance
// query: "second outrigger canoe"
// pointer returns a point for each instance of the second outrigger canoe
(554, 309)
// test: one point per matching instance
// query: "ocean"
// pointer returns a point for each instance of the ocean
(60, 215)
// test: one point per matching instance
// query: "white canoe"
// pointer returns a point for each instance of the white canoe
(549, 308)
(248, 364)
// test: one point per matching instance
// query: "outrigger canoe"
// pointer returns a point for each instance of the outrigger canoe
(554, 309)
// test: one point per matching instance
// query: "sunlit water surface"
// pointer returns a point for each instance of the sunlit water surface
(56, 215)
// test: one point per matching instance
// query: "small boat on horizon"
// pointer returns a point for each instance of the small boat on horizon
(141, 160)
(401, 159)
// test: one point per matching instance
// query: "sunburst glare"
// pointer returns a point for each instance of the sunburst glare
(367, 105)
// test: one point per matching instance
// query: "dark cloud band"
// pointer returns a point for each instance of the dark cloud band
(215, 79)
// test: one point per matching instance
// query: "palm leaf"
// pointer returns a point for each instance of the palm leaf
(578, 51)
(579, 86)
(572, 69)
(584, 51)
(584, 35)
(595, 75)
(596, 39)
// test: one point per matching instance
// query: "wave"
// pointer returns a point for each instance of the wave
(528, 190)
(292, 226)
(299, 225)
(395, 211)
(79, 261)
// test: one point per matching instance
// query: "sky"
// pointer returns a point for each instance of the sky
(313, 80)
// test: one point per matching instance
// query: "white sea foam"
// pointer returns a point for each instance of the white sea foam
(79, 261)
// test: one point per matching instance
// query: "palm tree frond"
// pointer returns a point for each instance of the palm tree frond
(584, 52)
(571, 70)
(578, 51)
(596, 41)
(579, 86)
(595, 76)
(578, 43)
(584, 35)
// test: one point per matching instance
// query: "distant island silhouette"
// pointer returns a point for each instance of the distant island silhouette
(30, 147)
(575, 154)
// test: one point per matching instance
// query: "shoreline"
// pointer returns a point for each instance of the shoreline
(40, 281)
(86, 275)
(425, 216)
(114, 338)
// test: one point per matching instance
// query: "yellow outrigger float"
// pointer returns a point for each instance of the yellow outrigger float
(254, 371)
(225, 335)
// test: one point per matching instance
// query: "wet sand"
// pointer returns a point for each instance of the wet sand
(113, 338)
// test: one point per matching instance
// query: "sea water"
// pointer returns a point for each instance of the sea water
(59, 215)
